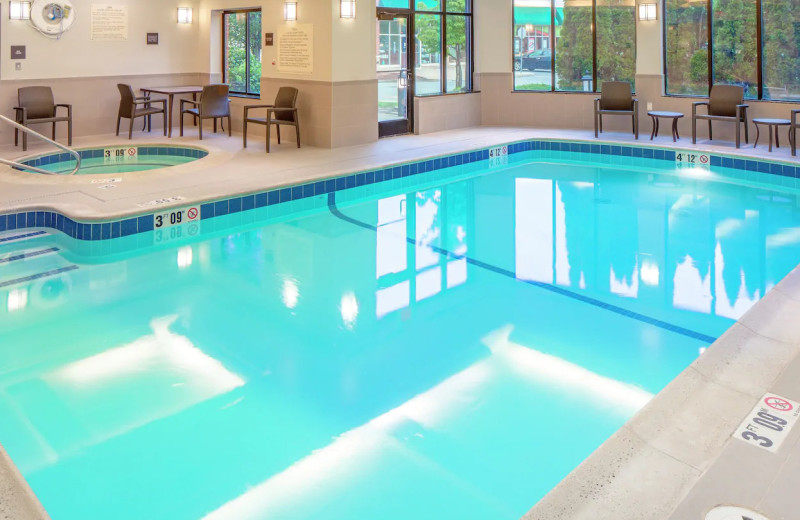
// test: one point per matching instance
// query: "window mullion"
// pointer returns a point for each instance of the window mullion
(710, 36)
(594, 45)
(247, 53)
(224, 47)
(760, 50)
(552, 45)
(443, 58)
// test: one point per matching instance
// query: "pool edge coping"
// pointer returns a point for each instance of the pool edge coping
(636, 475)
(126, 223)
(17, 499)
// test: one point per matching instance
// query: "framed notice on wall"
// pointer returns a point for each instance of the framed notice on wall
(109, 22)
(295, 49)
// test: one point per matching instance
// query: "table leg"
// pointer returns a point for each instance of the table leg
(171, 103)
(653, 132)
(770, 137)
(758, 133)
(194, 98)
(674, 129)
(777, 141)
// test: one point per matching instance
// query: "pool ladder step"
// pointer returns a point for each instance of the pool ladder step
(20, 265)
(37, 276)
(24, 255)
(17, 236)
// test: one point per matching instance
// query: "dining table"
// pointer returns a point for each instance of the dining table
(171, 92)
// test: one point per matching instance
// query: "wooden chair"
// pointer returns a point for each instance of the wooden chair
(213, 104)
(128, 107)
(283, 112)
(726, 103)
(616, 99)
(36, 106)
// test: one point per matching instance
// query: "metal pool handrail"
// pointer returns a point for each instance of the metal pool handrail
(18, 126)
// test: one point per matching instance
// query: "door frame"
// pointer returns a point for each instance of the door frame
(401, 126)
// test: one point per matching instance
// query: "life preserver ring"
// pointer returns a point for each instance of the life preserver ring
(52, 17)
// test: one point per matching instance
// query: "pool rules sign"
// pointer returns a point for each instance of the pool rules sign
(769, 423)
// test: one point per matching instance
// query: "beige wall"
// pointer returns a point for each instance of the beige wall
(353, 44)
(75, 55)
(437, 113)
(493, 33)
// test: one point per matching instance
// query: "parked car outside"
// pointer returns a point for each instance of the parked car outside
(539, 59)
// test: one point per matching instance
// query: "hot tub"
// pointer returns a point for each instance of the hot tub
(117, 159)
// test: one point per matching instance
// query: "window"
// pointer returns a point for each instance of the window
(564, 45)
(731, 53)
(686, 46)
(457, 50)
(733, 30)
(616, 41)
(241, 51)
(442, 44)
(428, 41)
(780, 34)
(573, 48)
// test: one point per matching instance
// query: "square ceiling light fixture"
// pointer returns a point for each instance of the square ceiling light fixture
(184, 15)
(290, 11)
(347, 9)
(19, 10)
(647, 12)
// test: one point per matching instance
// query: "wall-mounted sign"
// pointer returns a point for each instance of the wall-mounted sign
(269, 39)
(109, 22)
(17, 52)
(152, 38)
(296, 48)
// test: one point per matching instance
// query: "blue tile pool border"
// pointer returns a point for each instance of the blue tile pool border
(108, 230)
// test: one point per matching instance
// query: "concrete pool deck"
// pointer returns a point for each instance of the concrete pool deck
(675, 459)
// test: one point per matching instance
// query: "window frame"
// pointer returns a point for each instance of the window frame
(554, 52)
(759, 40)
(247, 11)
(443, 13)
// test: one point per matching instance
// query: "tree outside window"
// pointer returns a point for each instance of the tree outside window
(735, 57)
(442, 41)
(242, 51)
(579, 33)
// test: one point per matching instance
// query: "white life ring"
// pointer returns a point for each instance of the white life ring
(52, 17)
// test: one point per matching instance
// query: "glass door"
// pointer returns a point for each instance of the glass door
(395, 79)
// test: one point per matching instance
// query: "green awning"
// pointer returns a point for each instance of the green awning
(536, 16)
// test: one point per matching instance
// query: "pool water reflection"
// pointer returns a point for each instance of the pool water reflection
(448, 352)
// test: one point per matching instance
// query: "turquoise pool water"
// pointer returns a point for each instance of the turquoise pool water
(438, 350)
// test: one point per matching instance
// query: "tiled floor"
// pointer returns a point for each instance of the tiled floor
(676, 459)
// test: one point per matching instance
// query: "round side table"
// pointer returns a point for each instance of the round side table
(770, 124)
(657, 114)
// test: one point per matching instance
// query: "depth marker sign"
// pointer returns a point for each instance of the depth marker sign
(769, 423)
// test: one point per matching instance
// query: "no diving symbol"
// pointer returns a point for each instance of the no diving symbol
(193, 215)
(776, 403)
(704, 159)
(131, 151)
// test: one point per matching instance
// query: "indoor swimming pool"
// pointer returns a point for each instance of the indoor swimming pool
(442, 346)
